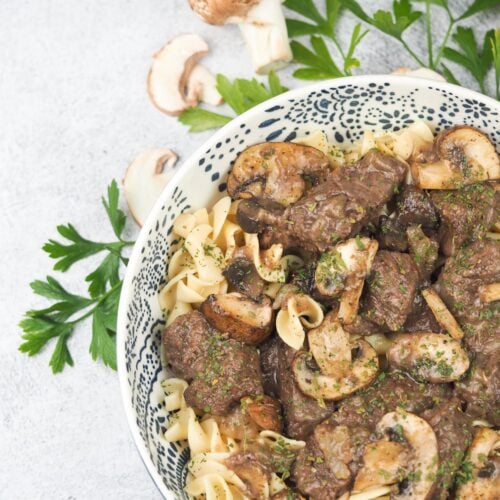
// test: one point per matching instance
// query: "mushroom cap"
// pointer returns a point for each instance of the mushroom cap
(218, 11)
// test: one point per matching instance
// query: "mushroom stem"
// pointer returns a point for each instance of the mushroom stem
(489, 293)
(442, 314)
(264, 31)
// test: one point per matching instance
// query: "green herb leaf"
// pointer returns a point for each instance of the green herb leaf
(61, 355)
(115, 215)
(200, 119)
(107, 272)
(449, 75)
(103, 344)
(357, 35)
(495, 49)
(470, 58)
(478, 6)
(319, 63)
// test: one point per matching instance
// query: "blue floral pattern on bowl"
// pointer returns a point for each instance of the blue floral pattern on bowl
(342, 108)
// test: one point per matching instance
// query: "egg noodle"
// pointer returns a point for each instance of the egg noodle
(207, 242)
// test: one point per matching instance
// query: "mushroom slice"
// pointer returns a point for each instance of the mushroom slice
(169, 73)
(342, 271)
(382, 464)
(145, 180)
(313, 383)
(202, 86)
(442, 314)
(483, 456)
(329, 345)
(423, 464)
(276, 171)
(255, 475)
(433, 357)
(489, 293)
(264, 411)
(242, 318)
(262, 25)
(460, 155)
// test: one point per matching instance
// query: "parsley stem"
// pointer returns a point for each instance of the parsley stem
(412, 54)
(445, 39)
(429, 33)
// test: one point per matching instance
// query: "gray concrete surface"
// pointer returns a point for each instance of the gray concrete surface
(73, 112)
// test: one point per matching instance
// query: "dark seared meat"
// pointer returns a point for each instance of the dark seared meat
(391, 289)
(453, 432)
(465, 214)
(421, 318)
(185, 342)
(256, 214)
(413, 207)
(391, 235)
(481, 387)
(269, 366)
(301, 413)
(230, 371)
(362, 326)
(390, 391)
(326, 467)
(348, 199)
(473, 266)
(251, 471)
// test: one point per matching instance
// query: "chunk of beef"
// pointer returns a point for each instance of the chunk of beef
(255, 214)
(301, 412)
(459, 281)
(466, 215)
(421, 318)
(348, 199)
(362, 326)
(391, 235)
(413, 207)
(453, 432)
(186, 341)
(392, 285)
(326, 467)
(481, 388)
(229, 372)
(390, 391)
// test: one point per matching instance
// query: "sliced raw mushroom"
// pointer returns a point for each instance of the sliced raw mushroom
(489, 293)
(431, 357)
(442, 314)
(417, 434)
(313, 383)
(169, 74)
(262, 25)
(202, 86)
(483, 456)
(145, 180)
(383, 461)
(329, 345)
(342, 270)
(277, 171)
(242, 318)
(460, 155)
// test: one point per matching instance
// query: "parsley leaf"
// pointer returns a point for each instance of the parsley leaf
(478, 6)
(495, 49)
(58, 320)
(475, 61)
(240, 95)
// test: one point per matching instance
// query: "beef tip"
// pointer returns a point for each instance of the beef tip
(423, 250)
(186, 341)
(390, 391)
(269, 366)
(230, 371)
(392, 285)
(413, 207)
(481, 388)
(453, 432)
(325, 468)
(255, 214)
(472, 267)
(421, 318)
(301, 412)
(391, 235)
(362, 326)
(345, 202)
(466, 215)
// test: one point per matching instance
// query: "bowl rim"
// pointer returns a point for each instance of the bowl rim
(135, 256)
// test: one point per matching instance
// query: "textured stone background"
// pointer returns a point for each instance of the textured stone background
(73, 112)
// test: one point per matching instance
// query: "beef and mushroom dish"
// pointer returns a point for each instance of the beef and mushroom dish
(337, 328)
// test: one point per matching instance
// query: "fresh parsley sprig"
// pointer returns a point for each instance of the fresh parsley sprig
(403, 15)
(58, 321)
(240, 95)
(318, 60)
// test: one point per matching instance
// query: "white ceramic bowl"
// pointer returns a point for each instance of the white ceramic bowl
(343, 108)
